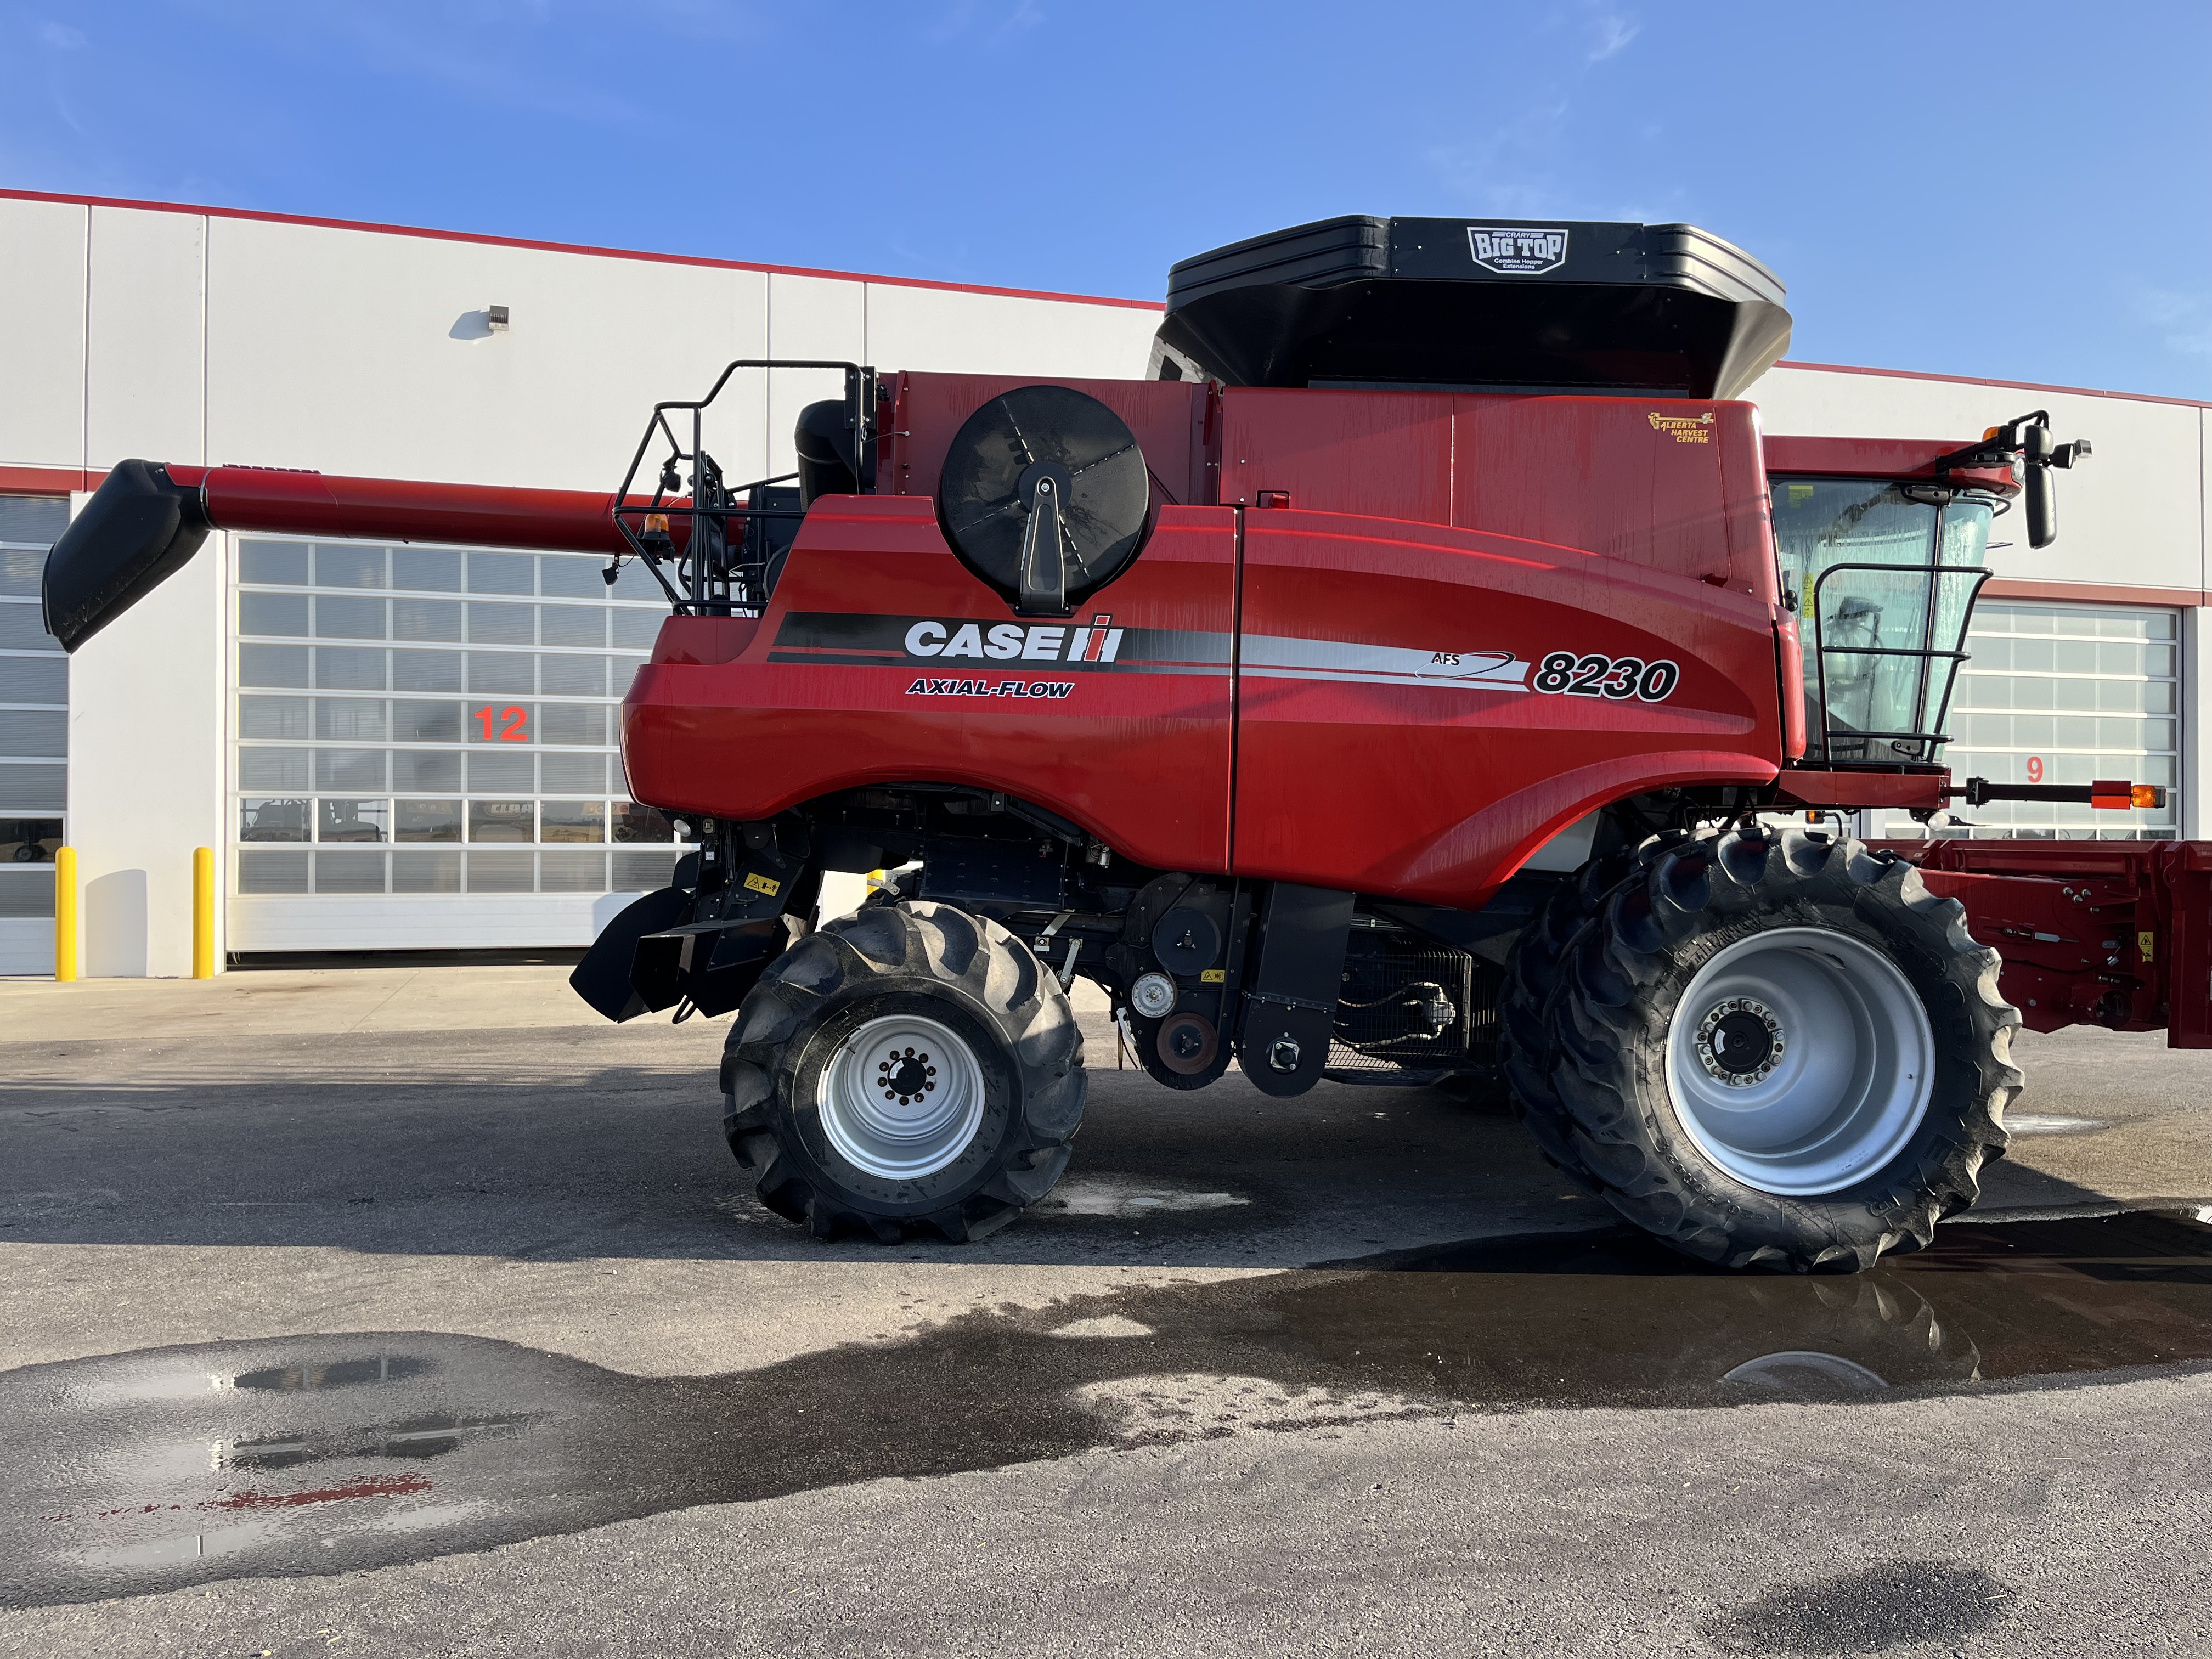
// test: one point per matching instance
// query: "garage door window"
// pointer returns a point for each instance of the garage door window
(34, 710)
(2057, 694)
(429, 719)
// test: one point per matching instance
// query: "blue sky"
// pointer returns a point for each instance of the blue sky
(2020, 193)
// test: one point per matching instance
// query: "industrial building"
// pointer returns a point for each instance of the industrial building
(412, 747)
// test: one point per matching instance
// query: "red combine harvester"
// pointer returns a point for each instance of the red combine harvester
(1401, 685)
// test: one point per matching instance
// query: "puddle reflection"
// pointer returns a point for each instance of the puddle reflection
(141, 1471)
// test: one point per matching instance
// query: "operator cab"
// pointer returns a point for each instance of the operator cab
(1883, 576)
(1882, 546)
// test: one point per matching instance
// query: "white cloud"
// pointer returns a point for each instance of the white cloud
(1509, 170)
(465, 46)
(996, 21)
(62, 37)
(2185, 318)
(1515, 169)
(703, 20)
(1609, 33)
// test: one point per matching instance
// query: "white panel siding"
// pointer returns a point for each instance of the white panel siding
(353, 352)
(948, 332)
(810, 317)
(42, 333)
(143, 387)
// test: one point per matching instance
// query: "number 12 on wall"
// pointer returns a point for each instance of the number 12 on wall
(508, 725)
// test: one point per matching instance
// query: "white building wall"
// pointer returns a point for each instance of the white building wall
(145, 381)
(808, 317)
(355, 352)
(149, 764)
(42, 285)
(948, 332)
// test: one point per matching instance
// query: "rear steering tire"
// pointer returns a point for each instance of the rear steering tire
(909, 1067)
(1776, 1050)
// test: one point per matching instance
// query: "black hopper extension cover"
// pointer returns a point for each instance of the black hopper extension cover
(137, 531)
(1476, 304)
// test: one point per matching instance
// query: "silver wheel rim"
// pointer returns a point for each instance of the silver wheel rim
(1800, 1061)
(902, 1096)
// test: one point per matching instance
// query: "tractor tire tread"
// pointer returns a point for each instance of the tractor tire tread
(1608, 1030)
(880, 949)
(1532, 972)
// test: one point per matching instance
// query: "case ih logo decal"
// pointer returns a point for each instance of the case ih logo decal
(1097, 642)
(1517, 252)
(1686, 428)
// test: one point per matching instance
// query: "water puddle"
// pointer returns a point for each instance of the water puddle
(2040, 1123)
(141, 1472)
(1096, 1195)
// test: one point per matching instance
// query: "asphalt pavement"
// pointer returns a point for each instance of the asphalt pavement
(400, 1311)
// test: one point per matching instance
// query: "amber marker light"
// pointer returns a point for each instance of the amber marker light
(2112, 795)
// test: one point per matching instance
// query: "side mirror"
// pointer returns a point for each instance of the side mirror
(2026, 443)
(2042, 505)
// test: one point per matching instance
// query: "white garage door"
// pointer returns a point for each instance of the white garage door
(426, 752)
(2069, 693)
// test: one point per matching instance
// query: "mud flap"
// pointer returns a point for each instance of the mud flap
(607, 977)
(713, 963)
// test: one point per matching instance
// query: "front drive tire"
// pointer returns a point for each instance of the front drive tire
(1532, 971)
(1780, 1051)
(907, 1066)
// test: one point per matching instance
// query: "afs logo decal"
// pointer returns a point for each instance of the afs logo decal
(1511, 252)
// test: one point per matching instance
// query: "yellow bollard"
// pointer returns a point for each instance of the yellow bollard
(203, 913)
(66, 913)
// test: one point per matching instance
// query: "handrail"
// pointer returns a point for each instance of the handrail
(712, 582)
(1933, 735)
